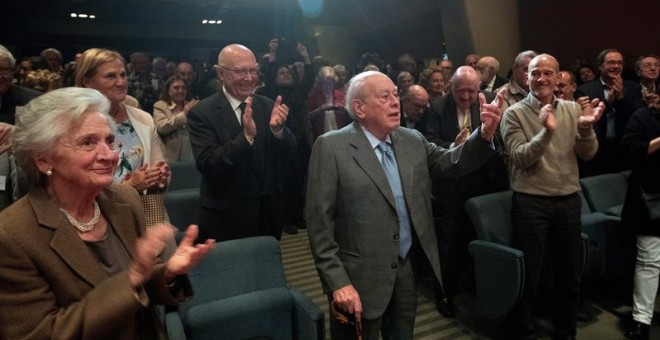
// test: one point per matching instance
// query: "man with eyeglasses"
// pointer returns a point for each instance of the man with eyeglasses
(415, 108)
(369, 209)
(11, 97)
(452, 119)
(566, 86)
(622, 97)
(240, 143)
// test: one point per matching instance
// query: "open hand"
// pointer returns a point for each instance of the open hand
(187, 254)
(249, 126)
(591, 114)
(491, 114)
(548, 118)
(279, 115)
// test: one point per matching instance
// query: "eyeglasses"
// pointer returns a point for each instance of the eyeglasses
(91, 143)
(242, 72)
(614, 62)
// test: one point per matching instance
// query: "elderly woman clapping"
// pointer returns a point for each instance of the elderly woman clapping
(76, 261)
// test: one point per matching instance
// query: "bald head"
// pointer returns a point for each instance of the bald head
(465, 87)
(415, 101)
(237, 70)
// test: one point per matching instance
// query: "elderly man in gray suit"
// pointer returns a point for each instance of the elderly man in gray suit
(369, 207)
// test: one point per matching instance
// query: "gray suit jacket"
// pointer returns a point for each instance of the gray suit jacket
(351, 213)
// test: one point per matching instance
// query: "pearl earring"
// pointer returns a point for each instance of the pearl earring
(49, 172)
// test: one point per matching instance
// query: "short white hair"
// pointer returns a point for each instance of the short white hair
(47, 118)
(6, 55)
(356, 88)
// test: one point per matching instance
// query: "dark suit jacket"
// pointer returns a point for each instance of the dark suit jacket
(351, 212)
(442, 124)
(15, 96)
(229, 181)
(632, 94)
(51, 284)
(442, 128)
(499, 82)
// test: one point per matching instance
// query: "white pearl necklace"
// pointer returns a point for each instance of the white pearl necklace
(84, 226)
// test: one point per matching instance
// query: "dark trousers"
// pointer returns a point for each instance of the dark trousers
(255, 219)
(398, 321)
(548, 226)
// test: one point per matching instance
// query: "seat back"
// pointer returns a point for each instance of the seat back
(603, 192)
(183, 207)
(184, 176)
(491, 216)
(237, 267)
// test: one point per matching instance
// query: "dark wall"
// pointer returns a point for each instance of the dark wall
(571, 29)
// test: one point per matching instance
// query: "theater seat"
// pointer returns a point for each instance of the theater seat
(605, 193)
(184, 176)
(241, 293)
(499, 268)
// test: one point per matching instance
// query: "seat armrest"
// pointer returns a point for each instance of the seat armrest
(308, 318)
(500, 277)
(174, 326)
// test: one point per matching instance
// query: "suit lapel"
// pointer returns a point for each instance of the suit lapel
(65, 241)
(366, 158)
(120, 221)
(227, 115)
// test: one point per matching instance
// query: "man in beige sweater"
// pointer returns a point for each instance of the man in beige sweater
(544, 137)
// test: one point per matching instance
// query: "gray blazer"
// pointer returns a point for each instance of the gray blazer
(351, 212)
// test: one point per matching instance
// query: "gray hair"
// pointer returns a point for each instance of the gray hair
(355, 89)
(46, 119)
(531, 54)
(5, 54)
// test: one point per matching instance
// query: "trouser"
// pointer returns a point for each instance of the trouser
(548, 226)
(398, 320)
(647, 270)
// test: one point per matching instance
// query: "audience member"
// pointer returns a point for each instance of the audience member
(518, 87)
(141, 162)
(544, 137)
(488, 68)
(622, 98)
(415, 108)
(373, 59)
(326, 105)
(566, 86)
(239, 141)
(586, 74)
(641, 142)
(81, 264)
(196, 88)
(433, 80)
(171, 119)
(280, 81)
(12, 97)
(367, 234)
(24, 68)
(70, 71)
(472, 60)
(447, 70)
(51, 59)
(452, 119)
(159, 68)
(647, 68)
(407, 63)
(142, 83)
(343, 75)
(403, 81)
(170, 69)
